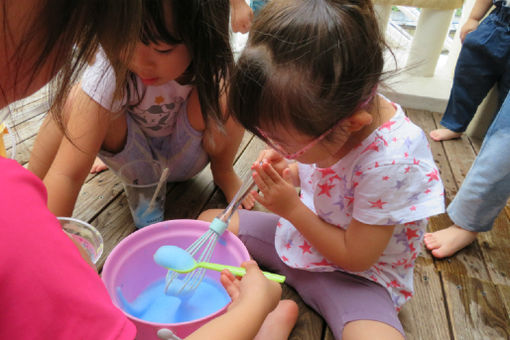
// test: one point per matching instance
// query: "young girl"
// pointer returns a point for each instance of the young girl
(171, 109)
(306, 84)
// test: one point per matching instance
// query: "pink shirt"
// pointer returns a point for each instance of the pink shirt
(389, 179)
(47, 291)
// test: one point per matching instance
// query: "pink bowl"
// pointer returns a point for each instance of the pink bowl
(131, 267)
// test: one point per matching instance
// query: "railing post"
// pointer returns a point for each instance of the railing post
(428, 41)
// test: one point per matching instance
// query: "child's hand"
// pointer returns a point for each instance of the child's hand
(241, 16)
(278, 193)
(251, 287)
(277, 161)
(468, 27)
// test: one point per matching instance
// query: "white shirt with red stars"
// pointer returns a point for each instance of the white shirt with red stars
(389, 179)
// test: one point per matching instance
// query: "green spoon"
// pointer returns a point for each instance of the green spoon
(180, 261)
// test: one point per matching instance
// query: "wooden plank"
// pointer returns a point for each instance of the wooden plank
(495, 249)
(460, 154)
(427, 300)
(476, 309)
(96, 195)
(114, 224)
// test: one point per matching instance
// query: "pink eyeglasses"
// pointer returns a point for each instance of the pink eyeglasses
(310, 145)
(300, 152)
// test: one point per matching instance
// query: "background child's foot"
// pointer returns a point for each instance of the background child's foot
(446, 242)
(280, 322)
(98, 166)
(444, 134)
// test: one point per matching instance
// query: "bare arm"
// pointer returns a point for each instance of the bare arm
(87, 126)
(220, 146)
(355, 249)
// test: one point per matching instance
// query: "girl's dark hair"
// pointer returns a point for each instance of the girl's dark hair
(307, 64)
(203, 26)
(73, 30)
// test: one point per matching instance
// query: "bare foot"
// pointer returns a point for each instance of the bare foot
(98, 166)
(279, 323)
(444, 134)
(446, 242)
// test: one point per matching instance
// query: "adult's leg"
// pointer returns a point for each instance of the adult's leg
(483, 193)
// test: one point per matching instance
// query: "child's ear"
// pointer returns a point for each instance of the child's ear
(359, 120)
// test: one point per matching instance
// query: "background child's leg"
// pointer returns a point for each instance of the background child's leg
(483, 193)
(481, 63)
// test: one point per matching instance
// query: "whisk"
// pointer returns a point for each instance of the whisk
(203, 247)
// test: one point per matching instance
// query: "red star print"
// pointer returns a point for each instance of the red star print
(413, 208)
(325, 188)
(376, 164)
(285, 259)
(406, 155)
(410, 223)
(411, 247)
(358, 173)
(288, 246)
(331, 179)
(406, 294)
(326, 172)
(324, 262)
(385, 178)
(407, 170)
(387, 125)
(372, 146)
(415, 161)
(433, 175)
(373, 278)
(349, 200)
(393, 284)
(428, 191)
(377, 204)
(394, 139)
(393, 162)
(306, 247)
(411, 233)
(278, 224)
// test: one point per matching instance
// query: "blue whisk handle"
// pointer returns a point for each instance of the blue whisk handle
(218, 226)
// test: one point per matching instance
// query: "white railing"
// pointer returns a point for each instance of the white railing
(423, 83)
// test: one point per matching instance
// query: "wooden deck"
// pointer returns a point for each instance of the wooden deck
(464, 297)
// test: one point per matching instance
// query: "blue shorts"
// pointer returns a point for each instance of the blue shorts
(337, 296)
(182, 151)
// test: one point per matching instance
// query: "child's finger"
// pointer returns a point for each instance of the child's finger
(272, 173)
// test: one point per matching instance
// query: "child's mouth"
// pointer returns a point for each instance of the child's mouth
(149, 81)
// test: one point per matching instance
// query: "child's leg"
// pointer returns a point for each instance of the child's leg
(368, 329)
(280, 322)
(483, 193)
(481, 63)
